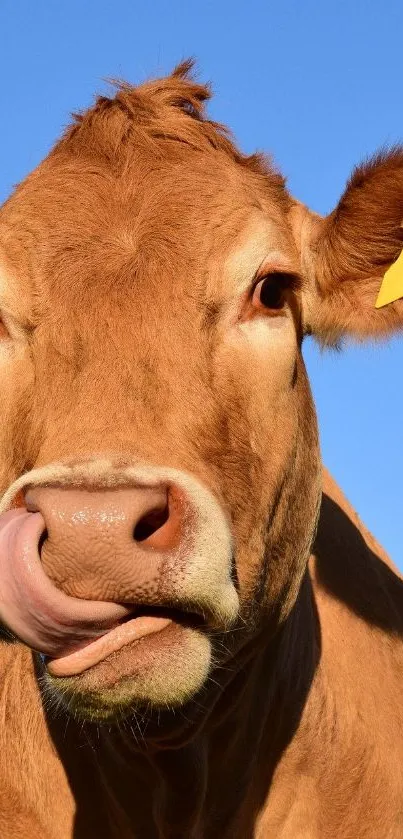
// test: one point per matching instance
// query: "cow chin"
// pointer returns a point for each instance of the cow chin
(159, 672)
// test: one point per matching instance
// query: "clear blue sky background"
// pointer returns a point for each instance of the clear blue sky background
(316, 82)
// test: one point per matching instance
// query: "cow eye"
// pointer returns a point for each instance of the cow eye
(270, 291)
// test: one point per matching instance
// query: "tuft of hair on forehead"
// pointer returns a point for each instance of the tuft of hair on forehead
(158, 113)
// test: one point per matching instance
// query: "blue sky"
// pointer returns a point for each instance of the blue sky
(318, 84)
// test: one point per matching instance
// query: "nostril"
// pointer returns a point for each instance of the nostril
(42, 540)
(151, 522)
(162, 525)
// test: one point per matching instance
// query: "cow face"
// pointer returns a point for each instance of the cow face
(159, 456)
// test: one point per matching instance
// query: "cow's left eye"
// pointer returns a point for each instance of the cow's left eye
(270, 291)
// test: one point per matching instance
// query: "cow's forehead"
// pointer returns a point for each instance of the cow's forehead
(141, 187)
(75, 225)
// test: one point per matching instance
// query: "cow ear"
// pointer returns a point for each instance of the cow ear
(350, 251)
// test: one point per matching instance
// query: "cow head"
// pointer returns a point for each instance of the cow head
(159, 467)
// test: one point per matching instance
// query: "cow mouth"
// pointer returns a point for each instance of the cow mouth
(72, 634)
(177, 614)
(142, 622)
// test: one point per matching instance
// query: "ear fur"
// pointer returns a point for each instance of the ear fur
(351, 250)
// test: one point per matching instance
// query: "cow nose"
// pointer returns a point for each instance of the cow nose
(106, 544)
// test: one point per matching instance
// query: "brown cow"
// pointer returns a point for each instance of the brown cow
(161, 488)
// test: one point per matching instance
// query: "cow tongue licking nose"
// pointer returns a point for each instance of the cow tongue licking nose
(100, 549)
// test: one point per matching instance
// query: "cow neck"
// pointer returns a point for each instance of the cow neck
(234, 745)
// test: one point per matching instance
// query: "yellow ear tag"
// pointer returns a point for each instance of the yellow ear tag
(392, 284)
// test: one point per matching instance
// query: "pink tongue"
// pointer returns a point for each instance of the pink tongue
(31, 606)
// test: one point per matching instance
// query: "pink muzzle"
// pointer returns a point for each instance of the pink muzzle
(84, 572)
(96, 543)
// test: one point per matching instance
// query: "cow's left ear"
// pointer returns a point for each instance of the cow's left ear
(346, 255)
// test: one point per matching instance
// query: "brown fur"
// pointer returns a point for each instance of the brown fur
(128, 262)
(355, 246)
